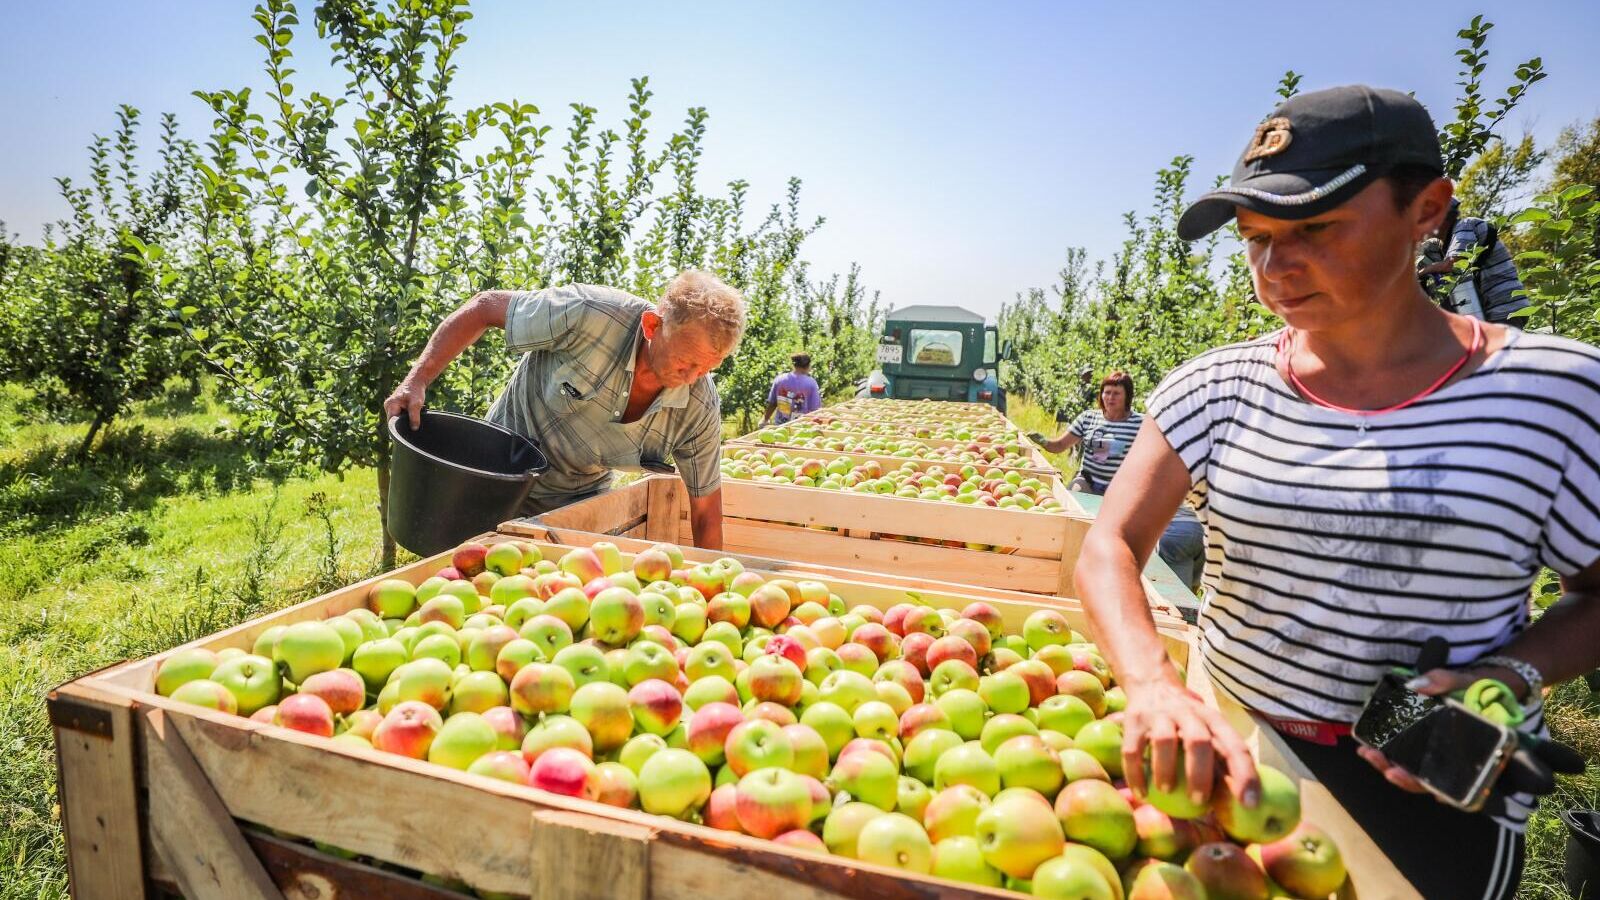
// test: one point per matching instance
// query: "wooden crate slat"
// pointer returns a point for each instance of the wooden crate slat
(887, 514)
(616, 858)
(306, 873)
(191, 827)
(97, 785)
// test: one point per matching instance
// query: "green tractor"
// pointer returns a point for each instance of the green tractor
(938, 353)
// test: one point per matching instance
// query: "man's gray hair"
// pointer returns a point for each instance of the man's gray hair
(700, 298)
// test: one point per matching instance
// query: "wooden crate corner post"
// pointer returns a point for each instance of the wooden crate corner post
(581, 857)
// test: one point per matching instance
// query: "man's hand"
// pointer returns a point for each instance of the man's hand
(1038, 438)
(407, 398)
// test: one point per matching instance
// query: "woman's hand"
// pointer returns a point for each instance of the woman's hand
(1436, 682)
(1167, 716)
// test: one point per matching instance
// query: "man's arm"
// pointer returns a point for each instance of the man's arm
(455, 334)
(767, 416)
(705, 520)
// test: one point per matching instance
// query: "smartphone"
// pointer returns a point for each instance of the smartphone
(1455, 753)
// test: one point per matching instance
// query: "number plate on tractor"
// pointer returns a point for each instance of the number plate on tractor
(890, 353)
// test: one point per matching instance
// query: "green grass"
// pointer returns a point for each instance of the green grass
(171, 532)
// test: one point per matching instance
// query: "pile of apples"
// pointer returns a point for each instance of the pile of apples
(1011, 454)
(989, 486)
(886, 410)
(925, 739)
(921, 430)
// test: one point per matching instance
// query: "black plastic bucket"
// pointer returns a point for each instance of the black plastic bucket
(455, 477)
(1583, 853)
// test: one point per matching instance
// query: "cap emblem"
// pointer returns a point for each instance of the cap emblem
(1271, 138)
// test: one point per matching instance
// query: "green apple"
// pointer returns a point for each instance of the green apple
(952, 674)
(1102, 739)
(639, 748)
(832, 722)
(710, 689)
(967, 764)
(689, 622)
(1274, 816)
(966, 710)
(603, 708)
(1071, 877)
(209, 694)
(923, 752)
(869, 777)
(1017, 833)
(306, 648)
(571, 606)
(477, 692)
(847, 689)
(673, 782)
(194, 664)
(445, 648)
(1065, 714)
(1002, 728)
(1093, 812)
(953, 812)
(584, 662)
(556, 731)
(1004, 692)
(253, 681)
(464, 738)
(896, 840)
(844, 824)
(913, 797)
(1027, 761)
(961, 859)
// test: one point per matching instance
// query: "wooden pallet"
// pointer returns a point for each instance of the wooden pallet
(160, 797)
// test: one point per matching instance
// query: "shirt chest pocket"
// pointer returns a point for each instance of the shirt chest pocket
(565, 390)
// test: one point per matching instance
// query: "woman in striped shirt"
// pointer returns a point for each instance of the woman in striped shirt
(1376, 473)
(1105, 434)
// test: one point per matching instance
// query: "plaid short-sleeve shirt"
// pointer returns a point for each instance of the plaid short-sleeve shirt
(579, 344)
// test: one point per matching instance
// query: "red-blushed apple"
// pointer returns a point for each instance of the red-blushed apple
(656, 706)
(484, 650)
(342, 689)
(878, 639)
(468, 558)
(1040, 678)
(1307, 863)
(857, 658)
(868, 777)
(757, 744)
(923, 620)
(973, 633)
(709, 728)
(1085, 660)
(771, 801)
(1160, 835)
(1093, 812)
(789, 648)
(894, 617)
(449, 573)
(1273, 817)
(616, 616)
(542, 688)
(213, 696)
(673, 782)
(505, 765)
(904, 674)
(729, 607)
(603, 708)
(843, 826)
(776, 713)
(1002, 658)
(446, 608)
(769, 604)
(1153, 879)
(922, 716)
(800, 839)
(408, 729)
(482, 583)
(477, 692)
(305, 712)
(1085, 687)
(582, 564)
(867, 613)
(562, 770)
(721, 809)
(361, 723)
(652, 565)
(515, 656)
(810, 750)
(774, 678)
(265, 714)
(914, 650)
(1227, 872)
(614, 784)
(1077, 764)
(508, 725)
(707, 580)
(392, 598)
(548, 585)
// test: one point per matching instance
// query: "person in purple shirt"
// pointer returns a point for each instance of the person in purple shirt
(794, 393)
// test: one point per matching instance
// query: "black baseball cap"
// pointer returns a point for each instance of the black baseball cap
(1316, 151)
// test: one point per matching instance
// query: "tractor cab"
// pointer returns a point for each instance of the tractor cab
(938, 353)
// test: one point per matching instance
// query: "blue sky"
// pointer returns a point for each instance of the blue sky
(956, 149)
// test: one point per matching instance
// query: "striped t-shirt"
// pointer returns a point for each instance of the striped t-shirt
(1336, 543)
(1497, 281)
(1105, 443)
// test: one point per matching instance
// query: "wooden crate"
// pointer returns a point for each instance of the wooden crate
(656, 509)
(1046, 472)
(1033, 457)
(162, 797)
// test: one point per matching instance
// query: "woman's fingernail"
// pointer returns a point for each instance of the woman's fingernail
(1251, 797)
(1418, 683)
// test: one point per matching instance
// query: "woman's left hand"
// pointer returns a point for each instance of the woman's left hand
(1435, 682)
